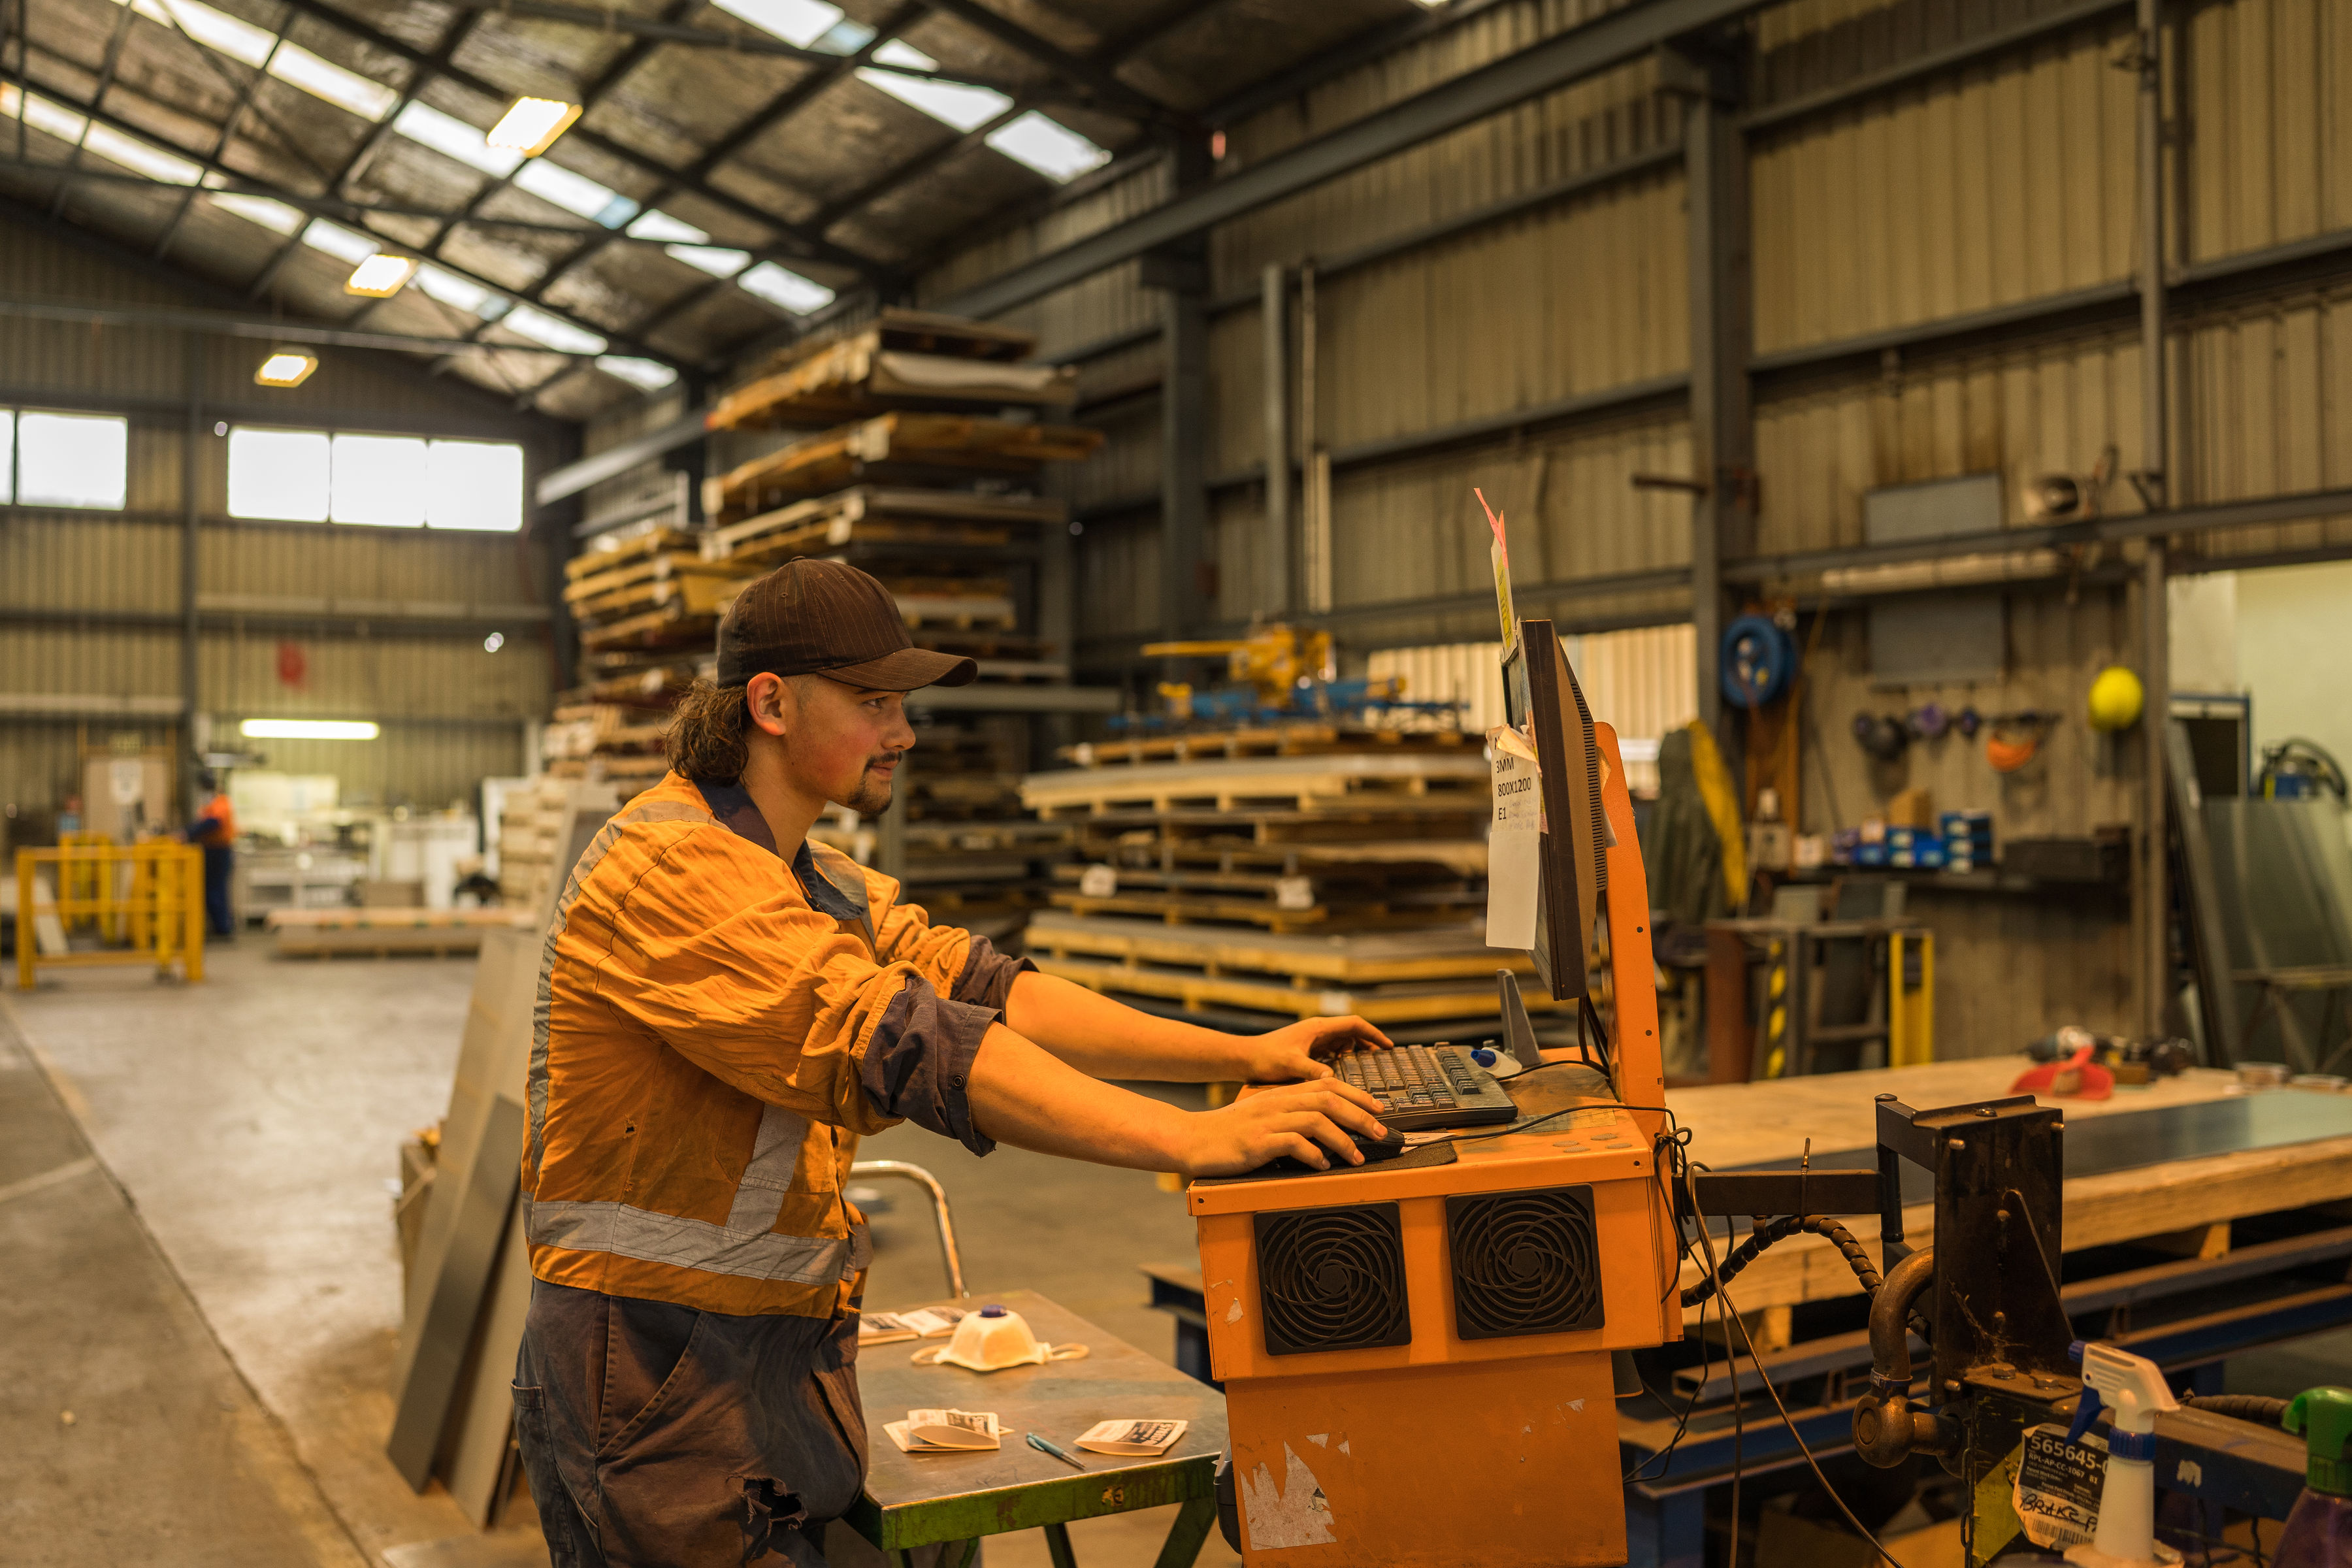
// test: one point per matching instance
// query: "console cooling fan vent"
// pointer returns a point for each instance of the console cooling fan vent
(1332, 1279)
(1524, 1263)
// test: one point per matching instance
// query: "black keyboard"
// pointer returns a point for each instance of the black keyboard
(1422, 1087)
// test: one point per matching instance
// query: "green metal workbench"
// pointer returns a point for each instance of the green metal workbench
(918, 1500)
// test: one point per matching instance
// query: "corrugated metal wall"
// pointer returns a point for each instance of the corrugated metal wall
(89, 602)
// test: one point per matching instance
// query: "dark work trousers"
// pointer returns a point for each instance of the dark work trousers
(656, 1435)
(220, 863)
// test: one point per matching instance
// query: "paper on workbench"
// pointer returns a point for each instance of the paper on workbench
(945, 1431)
(1141, 1439)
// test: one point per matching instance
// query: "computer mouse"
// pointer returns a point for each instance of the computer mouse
(1374, 1150)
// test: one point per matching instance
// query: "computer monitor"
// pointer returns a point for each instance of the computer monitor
(1542, 700)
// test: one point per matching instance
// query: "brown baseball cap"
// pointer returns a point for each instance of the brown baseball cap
(822, 617)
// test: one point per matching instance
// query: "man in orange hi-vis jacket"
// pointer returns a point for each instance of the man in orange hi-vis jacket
(724, 1008)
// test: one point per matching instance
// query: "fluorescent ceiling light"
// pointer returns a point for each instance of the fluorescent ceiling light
(338, 241)
(285, 368)
(308, 730)
(656, 224)
(381, 276)
(717, 261)
(532, 124)
(542, 328)
(575, 193)
(800, 22)
(269, 214)
(650, 374)
(959, 104)
(1052, 149)
(446, 133)
(780, 287)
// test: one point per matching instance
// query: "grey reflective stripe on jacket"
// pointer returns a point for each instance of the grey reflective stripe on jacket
(748, 1244)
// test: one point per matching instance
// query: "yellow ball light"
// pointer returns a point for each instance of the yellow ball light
(2115, 698)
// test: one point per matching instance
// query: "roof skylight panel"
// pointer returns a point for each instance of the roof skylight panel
(1051, 148)
(542, 328)
(959, 104)
(574, 193)
(448, 135)
(785, 289)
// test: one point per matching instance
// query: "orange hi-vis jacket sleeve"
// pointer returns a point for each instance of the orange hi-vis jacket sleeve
(715, 1029)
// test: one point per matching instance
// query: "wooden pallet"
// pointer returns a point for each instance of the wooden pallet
(914, 331)
(386, 933)
(1154, 847)
(1201, 909)
(861, 374)
(609, 551)
(839, 458)
(1457, 950)
(701, 593)
(654, 568)
(1343, 783)
(1332, 886)
(874, 514)
(1406, 1004)
(1272, 741)
(671, 626)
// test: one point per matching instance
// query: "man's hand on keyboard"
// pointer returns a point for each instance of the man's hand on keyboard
(1295, 1051)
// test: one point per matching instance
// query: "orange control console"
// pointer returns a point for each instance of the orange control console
(1415, 1355)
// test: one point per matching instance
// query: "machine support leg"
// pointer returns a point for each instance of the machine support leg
(1188, 1534)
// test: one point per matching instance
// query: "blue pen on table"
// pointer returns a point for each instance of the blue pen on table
(1044, 1446)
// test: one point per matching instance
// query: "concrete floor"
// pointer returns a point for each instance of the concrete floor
(193, 1181)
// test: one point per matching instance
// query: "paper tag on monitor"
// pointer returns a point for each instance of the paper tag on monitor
(1514, 843)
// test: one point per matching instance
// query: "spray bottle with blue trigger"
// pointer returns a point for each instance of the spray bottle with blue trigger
(2133, 1388)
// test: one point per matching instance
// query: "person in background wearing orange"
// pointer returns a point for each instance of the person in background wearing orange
(215, 831)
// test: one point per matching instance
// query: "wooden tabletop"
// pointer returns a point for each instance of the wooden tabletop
(1756, 1123)
(912, 1500)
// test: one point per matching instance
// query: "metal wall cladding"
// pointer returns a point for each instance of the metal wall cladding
(1117, 576)
(1541, 142)
(449, 569)
(1410, 530)
(66, 660)
(2262, 86)
(2263, 406)
(624, 423)
(1982, 187)
(1110, 301)
(383, 679)
(1579, 297)
(1127, 469)
(63, 560)
(2047, 407)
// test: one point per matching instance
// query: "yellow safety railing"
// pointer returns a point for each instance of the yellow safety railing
(151, 897)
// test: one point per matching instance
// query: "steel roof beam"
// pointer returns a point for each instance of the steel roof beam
(1091, 75)
(268, 329)
(665, 31)
(228, 131)
(420, 74)
(263, 188)
(112, 57)
(816, 247)
(1613, 39)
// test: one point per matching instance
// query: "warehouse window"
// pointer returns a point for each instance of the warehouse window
(64, 459)
(387, 481)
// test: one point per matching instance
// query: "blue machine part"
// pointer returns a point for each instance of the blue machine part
(1760, 659)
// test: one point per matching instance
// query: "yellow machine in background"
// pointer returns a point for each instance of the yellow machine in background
(151, 894)
(1272, 659)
